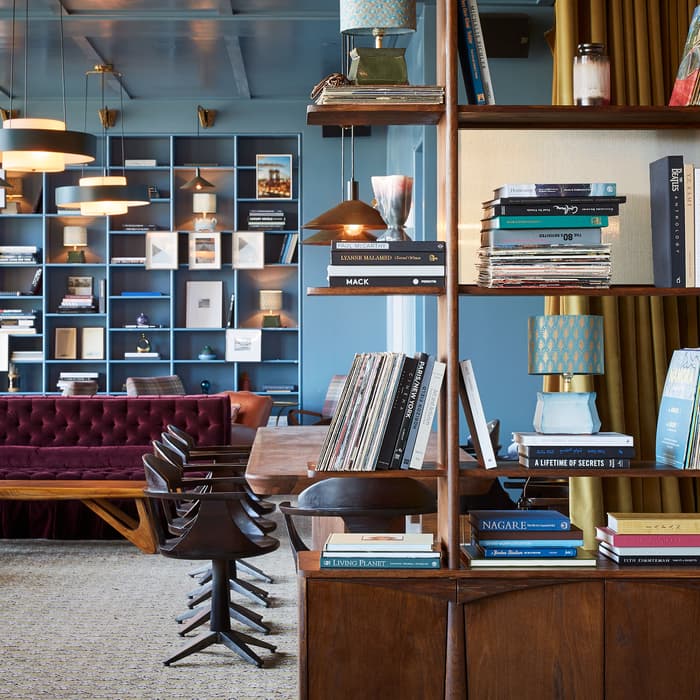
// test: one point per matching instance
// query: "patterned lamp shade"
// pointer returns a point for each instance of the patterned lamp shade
(566, 345)
(365, 16)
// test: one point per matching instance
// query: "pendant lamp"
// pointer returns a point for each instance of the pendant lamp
(198, 183)
(103, 195)
(352, 219)
(37, 144)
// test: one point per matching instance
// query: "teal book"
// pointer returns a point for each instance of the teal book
(380, 562)
(677, 419)
(544, 221)
(524, 552)
(519, 520)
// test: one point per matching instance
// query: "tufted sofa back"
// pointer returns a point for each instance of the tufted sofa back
(101, 421)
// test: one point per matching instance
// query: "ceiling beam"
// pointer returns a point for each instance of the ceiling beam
(95, 58)
(235, 57)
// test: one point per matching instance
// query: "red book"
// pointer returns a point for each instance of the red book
(606, 534)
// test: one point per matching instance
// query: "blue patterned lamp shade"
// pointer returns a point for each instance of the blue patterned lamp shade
(566, 345)
(365, 16)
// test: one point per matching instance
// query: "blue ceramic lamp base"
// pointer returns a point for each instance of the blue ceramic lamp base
(566, 412)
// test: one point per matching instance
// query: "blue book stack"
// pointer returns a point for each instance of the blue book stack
(524, 538)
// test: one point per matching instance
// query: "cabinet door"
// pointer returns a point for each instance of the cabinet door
(652, 647)
(533, 639)
(374, 639)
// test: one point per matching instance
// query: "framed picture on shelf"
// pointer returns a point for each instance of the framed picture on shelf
(248, 250)
(204, 304)
(79, 284)
(205, 250)
(92, 343)
(273, 176)
(161, 250)
(243, 345)
(66, 344)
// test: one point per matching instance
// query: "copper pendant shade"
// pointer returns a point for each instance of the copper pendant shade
(197, 183)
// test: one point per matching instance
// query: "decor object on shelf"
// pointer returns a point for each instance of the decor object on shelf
(205, 385)
(591, 76)
(205, 250)
(75, 236)
(37, 144)
(142, 320)
(352, 219)
(204, 203)
(243, 344)
(393, 195)
(248, 250)
(205, 117)
(273, 176)
(161, 250)
(103, 195)
(685, 85)
(271, 301)
(378, 65)
(204, 304)
(566, 345)
(206, 353)
(143, 344)
(12, 378)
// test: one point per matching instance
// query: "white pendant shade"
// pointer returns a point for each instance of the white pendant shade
(101, 195)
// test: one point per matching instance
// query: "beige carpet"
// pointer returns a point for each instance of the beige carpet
(94, 620)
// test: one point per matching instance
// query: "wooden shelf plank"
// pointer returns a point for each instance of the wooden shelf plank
(380, 115)
(622, 290)
(571, 117)
(512, 469)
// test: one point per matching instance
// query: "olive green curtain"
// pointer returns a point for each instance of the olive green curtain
(644, 40)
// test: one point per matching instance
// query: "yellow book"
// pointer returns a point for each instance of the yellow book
(659, 523)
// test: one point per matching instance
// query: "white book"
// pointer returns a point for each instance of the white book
(142, 355)
(573, 440)
(426, 421)
(474, 411)
(386, 270)
(696, 224)
(379, 542)
(689, 234)
(651, 551)
(139, 162)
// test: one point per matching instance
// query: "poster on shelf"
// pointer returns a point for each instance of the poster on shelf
(243, 345)
(204, 304)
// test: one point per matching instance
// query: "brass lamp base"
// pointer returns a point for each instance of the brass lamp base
(76, 256)
(371, 66)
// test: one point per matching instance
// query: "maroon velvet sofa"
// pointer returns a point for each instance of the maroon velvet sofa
(90, 437)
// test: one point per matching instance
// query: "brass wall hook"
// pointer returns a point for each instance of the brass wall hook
(206, 117)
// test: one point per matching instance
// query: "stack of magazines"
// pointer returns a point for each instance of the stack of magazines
(372, 94)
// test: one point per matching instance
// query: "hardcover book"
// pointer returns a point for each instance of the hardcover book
(541, 236)
(520, 520)
(574, 462)
(660, 523)
(468, 57)
(476, 419)
(664, 539)
(515, 552)
(380, 562)
(574, 440)
(667, 221)
(548, 207)
(677, 411)
(379, 542)
(427, 414)
(475, 560)
(649, 559)
(556, 189)
(576, 452)
(365, 280)
(686, 88)
(406, 437)
(544, 221)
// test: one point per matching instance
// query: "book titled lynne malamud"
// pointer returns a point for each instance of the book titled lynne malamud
(519, 520)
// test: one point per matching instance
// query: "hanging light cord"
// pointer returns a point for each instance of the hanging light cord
(12, 59)
(63, 61)
(26, 53)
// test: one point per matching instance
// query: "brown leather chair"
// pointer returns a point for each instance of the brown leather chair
(249, 411)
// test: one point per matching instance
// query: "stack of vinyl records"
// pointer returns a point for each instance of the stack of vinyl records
(547, 235)
(373, 94)
(387, 264)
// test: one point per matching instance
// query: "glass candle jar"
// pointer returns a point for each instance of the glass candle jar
(591, 75)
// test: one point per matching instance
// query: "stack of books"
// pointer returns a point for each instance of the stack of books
(27, 356)
(18, 320)
(379, 551)
(75, 376)
(606, 450)
(13, 254)
(524, 538)
(547, 235)
(381, 94)
(266, 219)
(77, 304)
(387, 264)
(384, 414)
(289, 248)
(647, 539)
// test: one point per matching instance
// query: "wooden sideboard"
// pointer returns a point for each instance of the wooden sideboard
(608, 632)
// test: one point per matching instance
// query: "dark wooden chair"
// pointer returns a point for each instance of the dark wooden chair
(296, 416)
(364, 504)
(212, 534)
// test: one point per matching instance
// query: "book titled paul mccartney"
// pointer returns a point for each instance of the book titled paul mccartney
(667, 221)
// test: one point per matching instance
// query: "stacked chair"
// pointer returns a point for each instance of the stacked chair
(202, 518)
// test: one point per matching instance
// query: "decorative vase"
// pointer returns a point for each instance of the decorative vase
(393, 194)
(206, 353)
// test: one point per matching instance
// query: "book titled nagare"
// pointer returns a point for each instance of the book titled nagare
(519, 520)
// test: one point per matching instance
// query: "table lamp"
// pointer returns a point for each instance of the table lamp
(204, 203)
(378, 65)
(271, 301)
(75, 236)
(566, 345)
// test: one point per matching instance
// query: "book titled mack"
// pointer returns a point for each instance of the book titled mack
(553, 221)
(556, 189)
(519, 520)
(366, 280)
(528, 237)
(380, 562)
(667, 221)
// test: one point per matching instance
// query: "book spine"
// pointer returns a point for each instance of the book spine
(388, 257)
(381, 281)
(696, 224)
(427, 415)
(465, 47)
(493, 552)
(390, 246)
(498, 237)
(650, 526)
(537, 209)
(554, 221)
(561, 452)
(386, 270)
(417, 413)
(650, 560)
(482, 68)
(689, 223)
(574, 463)
(574, 189)
(661, 540)
(398, 408)
(517, 523)
(485, 543)
(474, 413)
(329, 562)
(667, 221)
